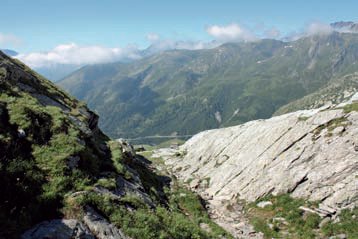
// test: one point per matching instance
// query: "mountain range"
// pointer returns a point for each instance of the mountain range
(345, 26)
(182, 92)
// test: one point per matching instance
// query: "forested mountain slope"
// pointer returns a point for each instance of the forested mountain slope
(183, 92)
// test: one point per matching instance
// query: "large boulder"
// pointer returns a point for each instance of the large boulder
(100, 227)
(93, 226)
(59, 229)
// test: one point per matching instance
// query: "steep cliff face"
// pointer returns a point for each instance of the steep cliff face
(310, 154)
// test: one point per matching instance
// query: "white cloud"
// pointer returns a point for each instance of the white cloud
(318, 28)
(153, 37)
(196, 45)
(159, 44)
(73, 54)
(79, 55)
(9, 39)
(168, 44)
(311, 29)
(231, 32)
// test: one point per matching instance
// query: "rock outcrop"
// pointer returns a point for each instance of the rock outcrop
(59, 229)
(100, 227)
(310, 154)
(92, 226)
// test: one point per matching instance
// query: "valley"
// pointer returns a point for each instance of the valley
(236, 139)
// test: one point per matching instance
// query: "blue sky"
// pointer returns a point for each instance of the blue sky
(41, 25)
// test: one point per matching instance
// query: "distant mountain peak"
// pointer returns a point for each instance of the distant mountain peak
(345, 26)
(9, 52)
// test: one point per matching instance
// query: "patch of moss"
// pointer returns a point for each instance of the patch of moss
(331, 125)
(303, 118)
(337, 123)
(351, 107)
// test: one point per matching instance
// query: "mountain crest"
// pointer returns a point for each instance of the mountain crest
(345, 26)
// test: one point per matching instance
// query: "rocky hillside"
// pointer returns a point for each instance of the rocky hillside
(302, 162)
(48, 142)
(61, 177)
(184, 92)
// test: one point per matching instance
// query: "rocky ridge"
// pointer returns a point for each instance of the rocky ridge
(310, 154)
(345, 26)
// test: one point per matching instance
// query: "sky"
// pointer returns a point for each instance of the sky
(42, 30)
